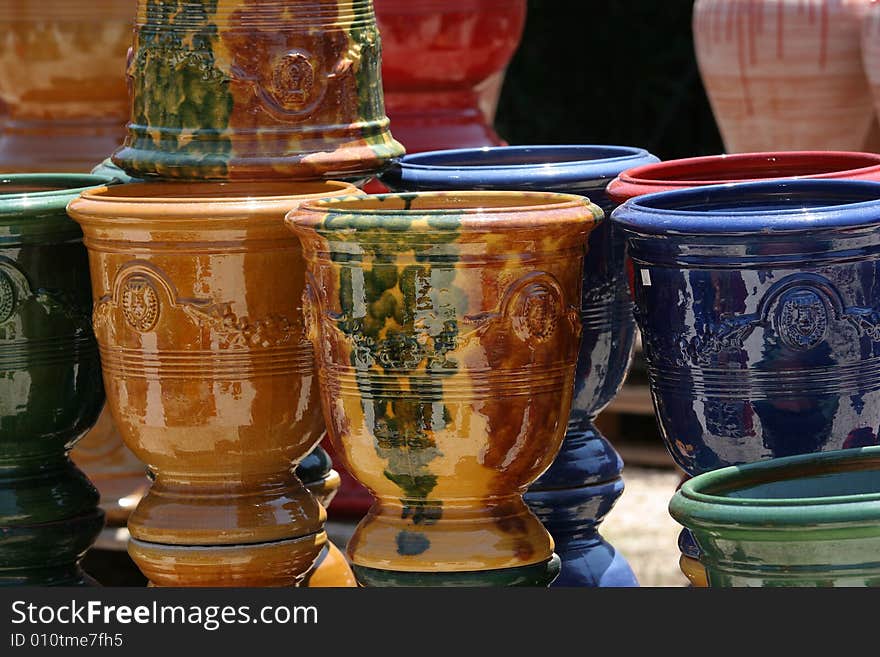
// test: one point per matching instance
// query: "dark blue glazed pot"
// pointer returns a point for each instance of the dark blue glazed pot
(584, 482)
(759, 307)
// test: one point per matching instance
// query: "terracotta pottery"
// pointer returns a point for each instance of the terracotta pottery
(871, 51)
(584, 483)
(785, 74)
(446, 329)
(808, 520)
(256, 89)
(50, 382)
(62, 81)
(742, 167)
(209, 376)
(443, 64)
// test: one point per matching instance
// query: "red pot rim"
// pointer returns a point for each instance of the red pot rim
(743, 167)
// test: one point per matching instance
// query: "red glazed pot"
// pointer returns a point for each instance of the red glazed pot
(442, 66)
(742, 167)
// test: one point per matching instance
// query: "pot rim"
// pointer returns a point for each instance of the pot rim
(649, 178)
(472, 215)
(657, 213)
(580, 162)
(61, 188)
(705, 501)
(127, 192)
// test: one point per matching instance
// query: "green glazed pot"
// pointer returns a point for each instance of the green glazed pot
(808, 520)
(51, 390)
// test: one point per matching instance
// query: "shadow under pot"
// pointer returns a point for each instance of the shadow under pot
(50, 382)
(759, 311)
(209, 377)
(584, 482)
(238, 90)
(446, 330)
(808, 520)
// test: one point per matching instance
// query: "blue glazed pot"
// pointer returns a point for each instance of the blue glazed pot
(759, 307)
(584, 482)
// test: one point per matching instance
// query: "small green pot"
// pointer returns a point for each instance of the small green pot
(807, 520)
(51, 390)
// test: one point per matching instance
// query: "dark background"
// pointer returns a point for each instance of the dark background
(608, 72)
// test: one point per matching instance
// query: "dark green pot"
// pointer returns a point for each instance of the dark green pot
(808, 520)
(51, 390)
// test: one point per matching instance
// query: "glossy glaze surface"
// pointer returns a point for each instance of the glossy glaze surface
(742, 167)
(785, 74)
(256, 89)
(209, 376)
(50, 382)
(62, 81)
(587, 461)
(808, 520)
(443, 64)
(447, 330)
(758, 309)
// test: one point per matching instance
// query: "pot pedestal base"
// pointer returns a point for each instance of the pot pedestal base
(539, 574)
(274, 564)
(331, 570)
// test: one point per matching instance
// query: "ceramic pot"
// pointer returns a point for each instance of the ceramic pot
(742, 167)
(442, 66)
(62, 81)
(784, 74)
(50, 383)
(808, 520)
(209, 377)
(240, 89)
(446, 333)
(871, 51)
(584, 482)
(759, 317)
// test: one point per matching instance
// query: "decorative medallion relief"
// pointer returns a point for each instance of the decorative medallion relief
(798, 310)
(144, 297)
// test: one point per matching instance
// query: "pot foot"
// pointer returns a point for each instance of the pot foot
(540, 575)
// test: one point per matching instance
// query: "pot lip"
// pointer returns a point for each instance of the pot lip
(579, 161)
(313, 214)
(702, 499)
(649, 178)
(64, 186)
(126, 193)
(652, 214)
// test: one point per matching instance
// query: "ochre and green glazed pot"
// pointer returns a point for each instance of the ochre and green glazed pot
(256, 89)
(807, 520)
(446, 329)
(62, 82)
(50, 382)
(209, 375)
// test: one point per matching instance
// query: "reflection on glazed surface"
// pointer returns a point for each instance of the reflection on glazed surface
(209, 376)
(447, 344)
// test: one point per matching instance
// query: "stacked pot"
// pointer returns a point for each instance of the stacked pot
(757, 307)
(239, 112)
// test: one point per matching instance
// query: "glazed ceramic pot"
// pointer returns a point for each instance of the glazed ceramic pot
(742, 167)
(785, 74)
(50, 382)
(62, 81)
(446, 333)
(808, 520)
(209, 376)
(584, 482)
(239, 89)
(759, 317)
(443, 64)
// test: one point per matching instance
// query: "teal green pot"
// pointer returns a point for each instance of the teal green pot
(51, 390)
(809, 520)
